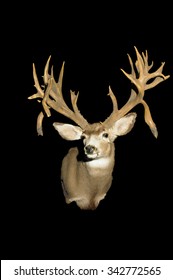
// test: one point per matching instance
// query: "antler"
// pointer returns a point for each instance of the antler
(52, 97)
(140, 81)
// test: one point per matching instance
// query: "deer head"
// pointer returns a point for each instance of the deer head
(86, 177)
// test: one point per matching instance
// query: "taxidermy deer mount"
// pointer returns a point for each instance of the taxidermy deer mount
(86, 180)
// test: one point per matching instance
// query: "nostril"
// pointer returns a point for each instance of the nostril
(89, 149)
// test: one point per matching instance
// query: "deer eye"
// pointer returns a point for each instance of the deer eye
(105, 135)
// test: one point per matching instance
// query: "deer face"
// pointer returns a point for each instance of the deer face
(97, 139)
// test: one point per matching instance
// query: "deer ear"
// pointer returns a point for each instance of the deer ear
(123, 125)
(68, 131)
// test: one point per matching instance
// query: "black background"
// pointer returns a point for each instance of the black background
(134, 220)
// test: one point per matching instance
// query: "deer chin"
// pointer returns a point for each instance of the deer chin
(92, 156)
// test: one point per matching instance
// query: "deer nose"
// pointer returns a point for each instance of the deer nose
(89, 149)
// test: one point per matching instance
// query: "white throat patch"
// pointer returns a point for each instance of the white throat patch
(99, 163)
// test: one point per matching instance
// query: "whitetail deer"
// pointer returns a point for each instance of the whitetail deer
(87, 179)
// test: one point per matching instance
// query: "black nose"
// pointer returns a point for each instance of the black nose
(89, 149)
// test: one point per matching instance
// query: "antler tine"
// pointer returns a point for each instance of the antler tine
(140, 80)
(52, 98)
(39, 94)
(114, 100)
(46, 75)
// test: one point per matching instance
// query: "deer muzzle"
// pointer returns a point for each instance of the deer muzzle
(90, 150)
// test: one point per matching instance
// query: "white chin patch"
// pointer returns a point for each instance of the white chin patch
(92, 156)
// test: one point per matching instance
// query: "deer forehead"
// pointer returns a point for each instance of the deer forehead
(94, 129)
(93, 134)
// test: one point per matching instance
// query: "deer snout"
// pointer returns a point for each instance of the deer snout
(89, 149)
